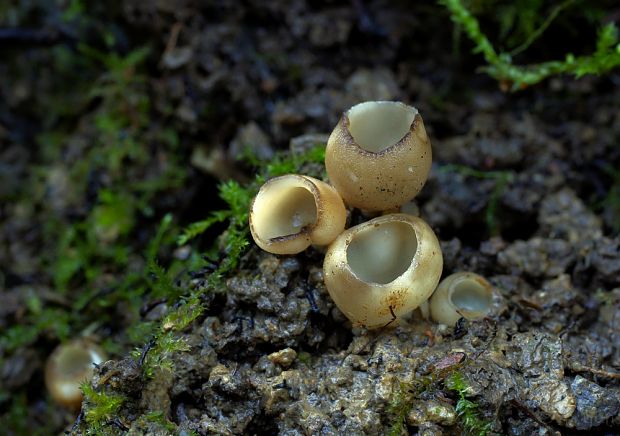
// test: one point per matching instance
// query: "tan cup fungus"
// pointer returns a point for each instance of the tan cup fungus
(462, 294)
(68, 366)
(378, 156)
(291, 212)
(382, 269)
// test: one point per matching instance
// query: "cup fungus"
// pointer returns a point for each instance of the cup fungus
(293, 211)
(382, 269)
(462, 294)
(67, 367)
(378, 156)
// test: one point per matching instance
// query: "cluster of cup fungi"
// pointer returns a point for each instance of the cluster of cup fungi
(378, 158)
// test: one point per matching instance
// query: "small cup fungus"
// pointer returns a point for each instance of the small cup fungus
(382, 269)
(462, 294)
(67, 367)
(291, 212)
(379, 156)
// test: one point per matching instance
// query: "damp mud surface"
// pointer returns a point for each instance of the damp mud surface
(524, 191)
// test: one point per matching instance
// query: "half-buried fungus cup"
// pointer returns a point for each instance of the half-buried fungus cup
(291, 212)
(378, 156)
(68, 366)
(382, 269)
(462, 294)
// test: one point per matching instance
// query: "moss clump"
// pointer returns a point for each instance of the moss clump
(449, 378)
(501, 178)
(234, 241)
(100, 408)
(238, 198)
(514, 77)
(401, 404)
(467, 410)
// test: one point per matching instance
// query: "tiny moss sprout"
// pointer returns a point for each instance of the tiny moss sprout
(100, 407)
(467, 410)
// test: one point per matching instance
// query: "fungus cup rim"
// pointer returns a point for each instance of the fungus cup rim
(349, 140)
(305, 230)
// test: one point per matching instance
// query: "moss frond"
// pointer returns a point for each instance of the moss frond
(101, 407)
(466, 409)
(500, 64)
(238, 198)
(501, 178)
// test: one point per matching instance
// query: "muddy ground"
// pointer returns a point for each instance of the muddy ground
(522, 191)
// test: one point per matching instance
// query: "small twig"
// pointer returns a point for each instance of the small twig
(393, 317)
(174, 37)
(116, 422)
(600, 372)
(104, 379)
(536, 34)
(145, 350)
(77, 423)
(491, 339)
(532, 415)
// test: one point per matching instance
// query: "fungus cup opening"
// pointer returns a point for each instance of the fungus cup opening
(380, 270)
(377, 125)
(75, 362)
(378, 156)
(291, 212)
(462, 294)
(382, 253)
(67, 367)
(471, 297)
(285, 209)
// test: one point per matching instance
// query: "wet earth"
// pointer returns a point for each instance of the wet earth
(520, 192)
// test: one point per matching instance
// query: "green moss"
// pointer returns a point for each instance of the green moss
(304, 357)
(166, 342)
(467, 411)
(500, 64)
(16, 417)
(159, 418)
(450, 378)
(234, 241)
(238, 198)
(406, 394)
(94, 159)
(501, 178)
(100, 407)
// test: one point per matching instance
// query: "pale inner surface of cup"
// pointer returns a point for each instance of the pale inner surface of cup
(377, 125)
(283, 211)
(471, 296)
(380, 254)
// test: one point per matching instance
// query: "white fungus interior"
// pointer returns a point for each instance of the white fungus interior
(377, 125)
(74, 362)
(471, 296)
(380, 254)
(284, 210)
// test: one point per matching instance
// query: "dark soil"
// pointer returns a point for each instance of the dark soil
(521, 192)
